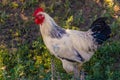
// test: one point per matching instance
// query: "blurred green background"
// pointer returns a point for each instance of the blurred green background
(23, 55)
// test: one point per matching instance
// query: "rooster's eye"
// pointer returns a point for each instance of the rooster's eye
(40, 16)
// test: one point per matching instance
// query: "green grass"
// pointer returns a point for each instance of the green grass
(23, 55)
(104, 64)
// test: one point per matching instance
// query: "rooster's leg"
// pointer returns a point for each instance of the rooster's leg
(82, 75)
(79, 75)
(76, 73)
(52, 69)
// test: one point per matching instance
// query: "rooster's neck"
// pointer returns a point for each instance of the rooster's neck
(50, 29)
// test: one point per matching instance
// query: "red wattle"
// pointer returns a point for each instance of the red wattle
(38, 21)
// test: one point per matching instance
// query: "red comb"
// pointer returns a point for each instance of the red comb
(37, 10)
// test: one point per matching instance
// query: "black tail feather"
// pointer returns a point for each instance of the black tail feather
(101, 31)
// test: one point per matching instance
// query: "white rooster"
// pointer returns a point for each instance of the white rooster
(72, 47)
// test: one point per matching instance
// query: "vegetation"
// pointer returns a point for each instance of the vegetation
(23, 55)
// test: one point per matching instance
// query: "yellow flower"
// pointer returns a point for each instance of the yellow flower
(15, 5)
(110, 3)
(70, 19)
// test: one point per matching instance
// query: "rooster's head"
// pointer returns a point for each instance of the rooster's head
(39, 17)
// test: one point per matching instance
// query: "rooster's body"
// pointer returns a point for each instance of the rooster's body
(71, 46)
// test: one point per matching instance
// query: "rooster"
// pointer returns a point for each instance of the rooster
(72, 47)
